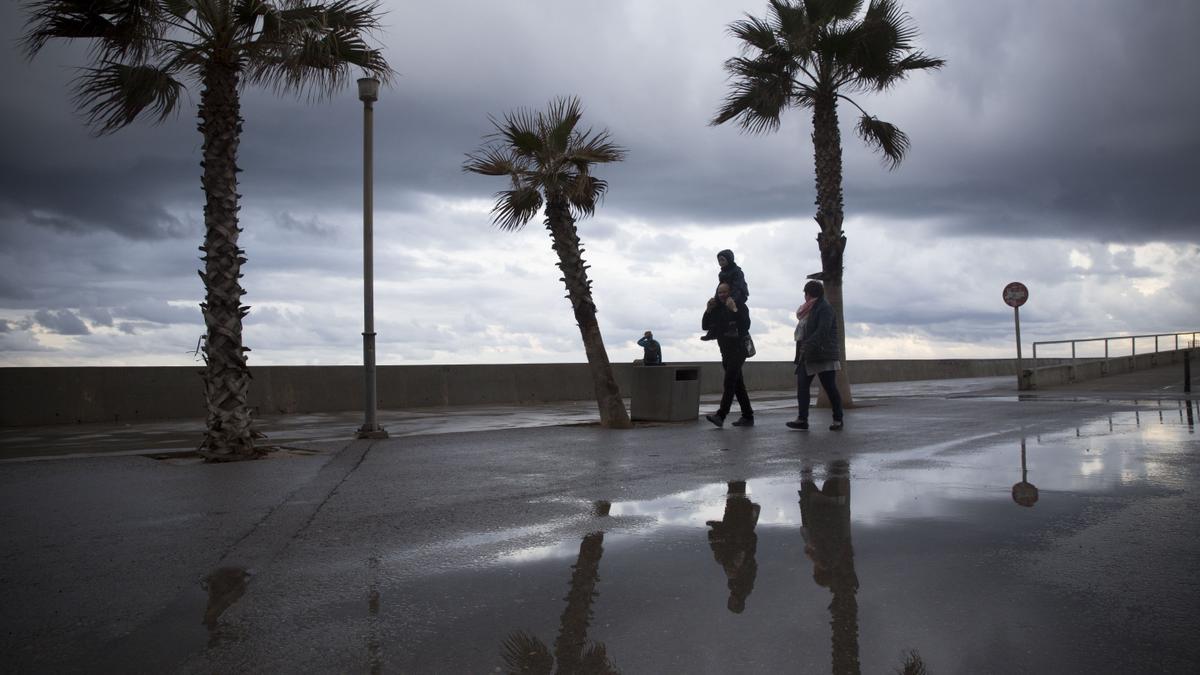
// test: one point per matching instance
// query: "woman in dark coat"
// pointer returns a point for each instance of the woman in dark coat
(817, 354)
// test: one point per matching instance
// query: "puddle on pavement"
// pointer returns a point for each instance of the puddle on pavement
(951, 556)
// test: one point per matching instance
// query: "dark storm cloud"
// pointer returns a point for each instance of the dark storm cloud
(64, 322)
(310, 225)
(97, 315)
(76, 202)
(1069, 125)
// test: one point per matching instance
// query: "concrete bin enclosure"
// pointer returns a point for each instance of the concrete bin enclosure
(666, 393)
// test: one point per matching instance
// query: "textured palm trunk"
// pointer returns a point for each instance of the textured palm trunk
(827, 151)
(565, 239)
(573, 626)
(226, 375)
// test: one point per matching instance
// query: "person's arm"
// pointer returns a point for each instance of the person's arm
(642, 341)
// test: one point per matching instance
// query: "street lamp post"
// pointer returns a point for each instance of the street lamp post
(368, 93)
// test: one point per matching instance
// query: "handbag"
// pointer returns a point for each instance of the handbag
(748, 343)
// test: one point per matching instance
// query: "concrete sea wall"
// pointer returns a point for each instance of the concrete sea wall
(39, 396)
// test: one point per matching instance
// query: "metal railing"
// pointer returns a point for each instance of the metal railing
(1117, 338)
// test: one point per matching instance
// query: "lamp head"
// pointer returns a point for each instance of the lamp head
(368, 89)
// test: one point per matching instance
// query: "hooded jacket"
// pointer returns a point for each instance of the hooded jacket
(732, 274)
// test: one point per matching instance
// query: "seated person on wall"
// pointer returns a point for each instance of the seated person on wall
(652, 350)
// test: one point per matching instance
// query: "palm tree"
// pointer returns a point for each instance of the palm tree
(549, 159)
(809, 55)
(143, 54)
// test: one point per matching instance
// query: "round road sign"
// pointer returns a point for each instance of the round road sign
(1015, 294)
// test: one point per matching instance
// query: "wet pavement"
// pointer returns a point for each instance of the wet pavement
(984, 531)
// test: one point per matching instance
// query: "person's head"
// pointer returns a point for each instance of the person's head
(722, 292)
(814, 289)
(725, 258)
(649, 334)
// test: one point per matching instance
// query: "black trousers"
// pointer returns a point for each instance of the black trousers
(828, 381)
(734, 385)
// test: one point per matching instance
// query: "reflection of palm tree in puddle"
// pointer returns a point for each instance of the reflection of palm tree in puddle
(734, 543)
(524, 653)
(825, 524)
(1024, 493)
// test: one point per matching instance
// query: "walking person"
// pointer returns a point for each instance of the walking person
(816, 354)
(728, 322)
(651, 350)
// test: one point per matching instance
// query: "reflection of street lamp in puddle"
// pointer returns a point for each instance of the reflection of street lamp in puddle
(1024, 493)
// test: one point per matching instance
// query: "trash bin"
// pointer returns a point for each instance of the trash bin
(666, 393)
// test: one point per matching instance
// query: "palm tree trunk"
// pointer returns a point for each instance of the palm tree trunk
(827, 151)
(572, 633)
(565, 239)
(226, 375)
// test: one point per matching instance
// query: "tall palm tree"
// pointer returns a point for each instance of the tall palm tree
(548, 160)
(809, 55)
(144, 53)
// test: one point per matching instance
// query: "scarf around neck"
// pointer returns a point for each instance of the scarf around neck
(802, 318)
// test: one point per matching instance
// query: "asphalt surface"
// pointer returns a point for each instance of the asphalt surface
(985, 531)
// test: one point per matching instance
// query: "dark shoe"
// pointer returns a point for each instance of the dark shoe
(836, 426)
(798, 424)
(744, 421)
(716, 419)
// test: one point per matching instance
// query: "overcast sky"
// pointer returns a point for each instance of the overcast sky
(1060, 147)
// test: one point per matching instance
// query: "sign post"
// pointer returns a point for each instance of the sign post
(1015, 295)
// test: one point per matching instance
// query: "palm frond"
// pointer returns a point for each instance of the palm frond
(121, 29)
(889, 25)
(524, 654)
(761, 90)
(514, 208)
(878, 42)
(793, 24)
(843, 10)
(519, 130)
(913, 664)
(583, 192)
(754, 34)
(179, 8)
(884, 137)
(910, 62)
(595, 660)
(817, 11)
(824, 12)
(311, 48)
(115, 94)
(492, 161)
(593, 148)
(350, 14)
(559, 123)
